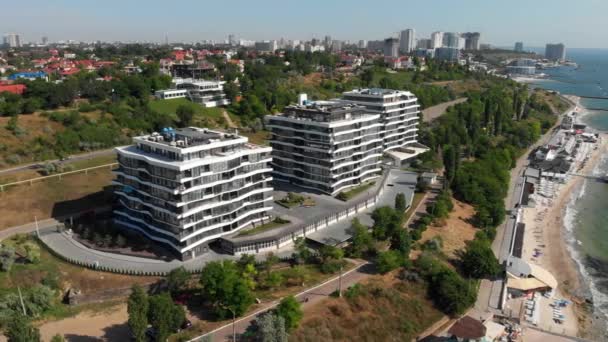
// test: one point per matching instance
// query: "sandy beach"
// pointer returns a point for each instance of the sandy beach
(546, 242)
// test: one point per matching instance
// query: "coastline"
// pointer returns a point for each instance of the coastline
(548, 224)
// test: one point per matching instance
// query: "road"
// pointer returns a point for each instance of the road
(315, 295)
(76, 157)
(432, 113)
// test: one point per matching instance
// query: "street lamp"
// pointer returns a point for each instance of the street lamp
(233, 320)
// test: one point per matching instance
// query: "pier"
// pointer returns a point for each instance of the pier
(603, 178)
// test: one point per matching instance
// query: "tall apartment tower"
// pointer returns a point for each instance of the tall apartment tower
(519, 47)
(451, 40)
(471, 40)
(187, 187)
(555, 52)
(407, 41)
(391, 47)
(12, 40)
(436, 40)
(398, 111)
(328, 146)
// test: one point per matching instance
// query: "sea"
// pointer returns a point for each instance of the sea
(586, 217)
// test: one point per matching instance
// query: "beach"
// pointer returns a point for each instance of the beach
(547, 242)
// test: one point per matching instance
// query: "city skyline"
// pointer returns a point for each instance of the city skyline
(499, 24)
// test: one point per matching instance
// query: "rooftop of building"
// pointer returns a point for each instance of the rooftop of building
(195, 81)
(375, 92)
(188, 137)
(324, 111)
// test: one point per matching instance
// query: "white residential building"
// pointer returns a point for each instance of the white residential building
(436, 40)
(187, 187)
(205, 93)
(398, 111)
(328, 146)
(407, 41)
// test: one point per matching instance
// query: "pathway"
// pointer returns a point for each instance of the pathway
(314, 294)
(432, 113)
(228, 119)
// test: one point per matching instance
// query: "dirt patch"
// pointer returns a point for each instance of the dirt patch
(456, 231)
(55, 197)
(386, 309)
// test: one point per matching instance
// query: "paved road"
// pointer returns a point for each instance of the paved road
(315, 295)
(436, 111)
(82, 156)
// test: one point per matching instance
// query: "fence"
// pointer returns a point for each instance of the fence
(289, 235)
(58, 175)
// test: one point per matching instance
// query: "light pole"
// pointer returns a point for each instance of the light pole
(340, 283)
(233, 321)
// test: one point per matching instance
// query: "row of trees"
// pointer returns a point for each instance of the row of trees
(159, 311)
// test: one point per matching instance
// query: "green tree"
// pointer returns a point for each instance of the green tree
(388, 261)
(400, 203)
(290, 309)
(58, 338)
(165, 316)
(185, 114)
(137, 308)
(361, 241)
(7, 258)
(479, 261)
(177, 280)
(20, 329)
(401, 241)
(386, 221)
(223, 285)
(270, 328)
(302, 254)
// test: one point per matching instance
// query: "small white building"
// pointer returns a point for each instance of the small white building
(205, 93)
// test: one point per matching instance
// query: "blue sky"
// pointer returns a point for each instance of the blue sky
(576, 23)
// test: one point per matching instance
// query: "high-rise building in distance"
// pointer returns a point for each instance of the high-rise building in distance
(451, 40)
(12, 40)
(436, 40)
(362, 44)
(407, 41)
(471, 40)
(555, 52)
(519, 47)
(391, 47)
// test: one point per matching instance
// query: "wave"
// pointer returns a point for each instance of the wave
(570, 220)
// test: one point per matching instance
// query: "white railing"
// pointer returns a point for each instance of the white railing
(57, 175)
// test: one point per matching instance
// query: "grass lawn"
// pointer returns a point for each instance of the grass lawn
(400, 77)
(266, 226)
(347, 195)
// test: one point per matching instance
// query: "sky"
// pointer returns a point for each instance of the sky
(576, 23)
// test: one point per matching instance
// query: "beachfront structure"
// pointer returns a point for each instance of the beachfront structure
(187, 187)
(555, 52)
(328, 146)
(398, 111)
(522, 66)
(205, 93)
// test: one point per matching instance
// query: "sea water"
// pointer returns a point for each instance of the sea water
(586, 218)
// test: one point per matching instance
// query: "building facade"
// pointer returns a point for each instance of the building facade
(391, 47)
(436, 40)
(328, 146)
(206, 93)
(471, 40)
(12, 40)
(407, 41)
(187, 187)
(398, 112)
(555, 52)
(447, 54)
(519, 47)
(451, 40)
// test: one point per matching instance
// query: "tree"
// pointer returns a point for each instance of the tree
(20, 329)
(58, 338)
(7, 258)
(271, 260)
(223, 285)
(451, 293)
(185, 114)
(137, 308)
(479, 261)
(400, 203)
(362, 241)
(165, 316)
(302, 253)
(290, 309)
(386, 221)
(401, 241)
(388, 261)
(177, 279)
(270, 328)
